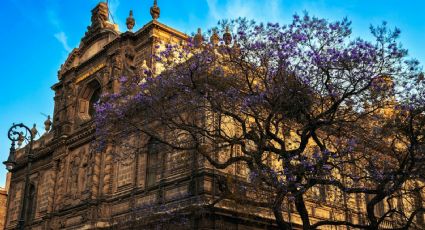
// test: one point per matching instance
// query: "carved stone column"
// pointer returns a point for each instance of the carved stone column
(96, 175)
(107, 173)
(52, 181)
(60, 185)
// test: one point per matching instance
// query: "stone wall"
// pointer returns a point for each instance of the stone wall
(3, 202)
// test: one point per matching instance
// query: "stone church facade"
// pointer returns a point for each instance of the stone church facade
(74, 187)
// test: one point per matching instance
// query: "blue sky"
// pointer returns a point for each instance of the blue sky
(37, 35)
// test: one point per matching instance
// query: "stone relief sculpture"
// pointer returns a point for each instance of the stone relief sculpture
(115, 71)
(69, 100)
(129, 68)
(82, 172)
(73, 176)
(99, 17)
(60, 185)
(78, 176)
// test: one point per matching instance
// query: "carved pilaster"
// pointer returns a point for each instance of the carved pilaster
(96, 175)
(116, 70)
(52, 180)
(60, 186)
(107, 173)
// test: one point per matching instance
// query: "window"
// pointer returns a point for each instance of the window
(89, 96)
(95, 98)
(154, 162)
(125, 173)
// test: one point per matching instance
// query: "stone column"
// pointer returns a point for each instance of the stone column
(52, 180)
(96, 175)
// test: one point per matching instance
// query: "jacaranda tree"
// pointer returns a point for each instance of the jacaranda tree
(312, 110)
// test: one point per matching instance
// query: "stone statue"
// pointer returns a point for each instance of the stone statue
(83, 172)
(116, 67)
(129, 69)
(70, 97)
(34, 130)
(73, 177)
(47, 124)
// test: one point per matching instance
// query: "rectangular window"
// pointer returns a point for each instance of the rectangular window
(125, 173)
(152, 168)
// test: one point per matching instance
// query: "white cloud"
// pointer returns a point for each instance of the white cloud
(56, 23)
(63, 39)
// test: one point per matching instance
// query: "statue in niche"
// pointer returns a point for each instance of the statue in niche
(116, 67)
(69, 100)
(116, 63)
(60, 184)
(129, 68)
(73, 177)
(83, 172)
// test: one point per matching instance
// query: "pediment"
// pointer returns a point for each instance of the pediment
(98, 35)
(71, 61)
(93, 46)
(88, 48)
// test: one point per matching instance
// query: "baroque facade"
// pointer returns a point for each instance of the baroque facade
(73, 186)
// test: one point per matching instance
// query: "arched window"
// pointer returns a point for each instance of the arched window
(95, 98)
(90, 95)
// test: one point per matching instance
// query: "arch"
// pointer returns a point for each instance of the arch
(89, 96)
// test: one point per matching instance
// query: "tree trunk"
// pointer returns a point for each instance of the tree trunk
(281, 223)
(302, 211)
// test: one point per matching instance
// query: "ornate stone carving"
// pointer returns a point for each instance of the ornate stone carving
(116, 68)
(83, 171)
(129, 67)
(107, 173)
(130, 21)
(73, 176)
(155, 11)
(60, 185)
(99, 19)
(227, 36)
(70, 95)
(52, 178)
(198, 39)
(215, 39)
(78, 174)
(47, 124)
(96, 175)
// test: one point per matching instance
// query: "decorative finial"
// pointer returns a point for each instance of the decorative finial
(227, 36)
(214, 38)
(47, 124)
(155, 11)
(130, 22)
(198, 39)
(34, 131)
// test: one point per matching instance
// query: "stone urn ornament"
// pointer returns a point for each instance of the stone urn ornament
(155, 11)
(130, 22)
